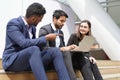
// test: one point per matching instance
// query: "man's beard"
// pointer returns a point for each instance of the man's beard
(58, 27)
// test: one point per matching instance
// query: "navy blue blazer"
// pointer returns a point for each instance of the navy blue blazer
(48, 29)
(17, 39)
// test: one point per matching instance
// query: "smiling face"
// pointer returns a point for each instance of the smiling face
(84, 28)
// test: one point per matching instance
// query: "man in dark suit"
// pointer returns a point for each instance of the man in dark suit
(59, 18)
(23, 51)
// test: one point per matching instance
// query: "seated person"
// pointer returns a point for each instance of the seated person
(59, 18)
(83, 61)
(23, 50)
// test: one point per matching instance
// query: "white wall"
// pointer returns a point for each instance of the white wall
(15, 8)
(104, 28)
(113, 10)
(9, 9)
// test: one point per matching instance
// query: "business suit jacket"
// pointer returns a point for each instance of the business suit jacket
(48, 29)
(17, 39)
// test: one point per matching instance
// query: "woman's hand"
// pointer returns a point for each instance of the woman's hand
(71, 47)
(67, 48)
(92, 60)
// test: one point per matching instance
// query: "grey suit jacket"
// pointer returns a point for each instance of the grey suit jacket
(48, 29)
(17, 39)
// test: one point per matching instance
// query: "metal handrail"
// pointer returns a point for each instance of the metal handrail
(103, 2)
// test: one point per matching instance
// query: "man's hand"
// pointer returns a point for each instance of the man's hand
(50, 37)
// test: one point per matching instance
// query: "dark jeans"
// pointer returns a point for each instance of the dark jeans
(88, 70)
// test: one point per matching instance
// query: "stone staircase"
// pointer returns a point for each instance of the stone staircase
(110, 70)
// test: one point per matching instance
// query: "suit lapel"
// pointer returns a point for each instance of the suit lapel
(51, 31)
(24, 27)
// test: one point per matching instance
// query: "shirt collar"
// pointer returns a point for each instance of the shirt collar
(53, 26)
(25, 22)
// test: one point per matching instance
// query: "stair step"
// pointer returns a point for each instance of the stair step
(111, 76)
(0, 64)
(100, 63)
(24, 75)
(109, 70)
(114, 78)
(27, 75)
(107, 63)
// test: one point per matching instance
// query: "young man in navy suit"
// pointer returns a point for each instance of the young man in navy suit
(59, 18)
(23, 50)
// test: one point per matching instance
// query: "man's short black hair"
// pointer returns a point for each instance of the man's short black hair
(35, 9)
(58, 13)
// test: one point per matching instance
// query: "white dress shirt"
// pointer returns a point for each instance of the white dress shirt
(57, 40)
(28, 28)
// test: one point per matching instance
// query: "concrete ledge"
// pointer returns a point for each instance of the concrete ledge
(27, 75)
(1, 64)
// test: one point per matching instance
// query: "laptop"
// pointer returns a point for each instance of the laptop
(85, 45)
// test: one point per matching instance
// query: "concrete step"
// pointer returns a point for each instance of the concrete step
(25, 75)
(100, 63)
(114, 78)
(0, 64)
(109, 70)
(29, 75)
(111, 76)
(107, 63)
(51, 76)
